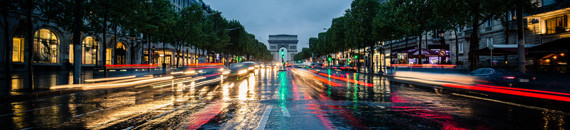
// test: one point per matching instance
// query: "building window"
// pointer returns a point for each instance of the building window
(273, 47)
(89, 50)
(46, 46)
(489, 42)
(556, 25)
(460, 47)
(489, 23)
(293, 47)
(18, 49)
(108, 56)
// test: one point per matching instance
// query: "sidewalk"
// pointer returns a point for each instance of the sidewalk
(43, 80)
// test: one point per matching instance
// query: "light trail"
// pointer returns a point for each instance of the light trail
(110, 79)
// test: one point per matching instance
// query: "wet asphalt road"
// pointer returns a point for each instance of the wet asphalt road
(272, 99)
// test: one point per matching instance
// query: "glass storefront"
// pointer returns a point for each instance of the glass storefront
(18, 49)
(89, 50)
(46, 46)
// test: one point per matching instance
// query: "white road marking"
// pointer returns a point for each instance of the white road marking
(129, 128)
(264, 118)
(285, 111)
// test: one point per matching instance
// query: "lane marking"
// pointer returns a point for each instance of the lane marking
(264, 118)
(285, 111)
(129, 128)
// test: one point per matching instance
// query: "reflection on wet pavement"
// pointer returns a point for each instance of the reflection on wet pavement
(272, 99)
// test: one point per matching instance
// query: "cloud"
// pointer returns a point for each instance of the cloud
(305, 18)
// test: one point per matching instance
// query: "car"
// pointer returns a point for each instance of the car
(251, 66)
(238, 69)
(507, 77)
(348, 68)
(316, 65)
(287, 64)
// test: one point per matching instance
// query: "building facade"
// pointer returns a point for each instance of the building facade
(545, 34)
(52, 44)
(289, 42)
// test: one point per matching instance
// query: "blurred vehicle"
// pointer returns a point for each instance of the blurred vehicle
(287, 64)
(238, 69)
(504, 77)
(348, 68)
(316, 65)
(250, 65)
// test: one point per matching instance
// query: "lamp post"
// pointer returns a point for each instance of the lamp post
(442, 50)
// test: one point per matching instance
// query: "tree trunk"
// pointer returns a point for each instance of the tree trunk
(456, 47)
(420, 49)
(507, 23)
(115, 41)
(7, 61)
(195, 55)
(474, 40)
(78, 24)
(177, 55)
(371, 59)
(104, 44)
(29, 82)
(521, 41)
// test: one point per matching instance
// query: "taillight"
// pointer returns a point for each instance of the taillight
(509, 77)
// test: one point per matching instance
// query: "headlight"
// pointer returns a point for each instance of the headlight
(190, 72)
(221, 69)
(174, 73)
(226, 72)
(242, 72)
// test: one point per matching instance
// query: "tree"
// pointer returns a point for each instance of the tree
(362, 13)
(8, 6)
(57, 12)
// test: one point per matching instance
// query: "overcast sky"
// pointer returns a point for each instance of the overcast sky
(305, 18)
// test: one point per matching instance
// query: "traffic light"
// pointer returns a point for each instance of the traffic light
(299, 61)
(282, 52)
(355, 56)
(330, 59)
